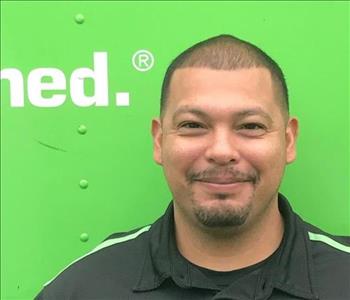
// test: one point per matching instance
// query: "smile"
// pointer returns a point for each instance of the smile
(221, 186)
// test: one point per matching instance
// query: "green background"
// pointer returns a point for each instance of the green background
(43, 209)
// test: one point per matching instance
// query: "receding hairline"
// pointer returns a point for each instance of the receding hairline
(278, 96)
(226, 52)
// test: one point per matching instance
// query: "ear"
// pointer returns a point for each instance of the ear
(157, 140)
(292, 132)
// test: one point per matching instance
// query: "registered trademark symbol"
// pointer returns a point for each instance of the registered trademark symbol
(143, 60)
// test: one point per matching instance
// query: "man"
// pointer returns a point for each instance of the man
(223, 138)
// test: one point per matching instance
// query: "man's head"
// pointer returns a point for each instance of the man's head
(224, 136)
(226, 52)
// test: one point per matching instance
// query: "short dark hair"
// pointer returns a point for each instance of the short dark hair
(226, 52)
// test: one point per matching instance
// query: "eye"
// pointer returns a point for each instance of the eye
(191, 128)
(253, 129)
(190, 125)
(253, 126)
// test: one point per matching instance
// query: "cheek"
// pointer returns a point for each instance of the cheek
(267, 157)
(180, 155)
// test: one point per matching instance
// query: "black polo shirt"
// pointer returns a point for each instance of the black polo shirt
(145, 264)
(223, 279)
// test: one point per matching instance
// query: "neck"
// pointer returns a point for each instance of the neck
(233, 249)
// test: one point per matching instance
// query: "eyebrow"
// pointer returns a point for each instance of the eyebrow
(240, 114)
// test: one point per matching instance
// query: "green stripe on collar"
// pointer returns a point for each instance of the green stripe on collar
(327, 240)
(105, 244)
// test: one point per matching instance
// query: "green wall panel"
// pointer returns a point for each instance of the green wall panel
(43, 157)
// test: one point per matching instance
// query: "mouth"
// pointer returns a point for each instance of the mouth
(221, 180)
(222, 185)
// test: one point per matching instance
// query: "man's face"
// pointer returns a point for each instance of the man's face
(223, 145)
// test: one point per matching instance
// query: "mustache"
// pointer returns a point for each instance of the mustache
(230, 173)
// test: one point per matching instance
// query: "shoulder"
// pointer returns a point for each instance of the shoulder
(124, 239)
(330, 260)
(119, 257)
(323, 242)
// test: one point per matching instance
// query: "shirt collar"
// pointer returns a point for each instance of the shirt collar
(290, 271)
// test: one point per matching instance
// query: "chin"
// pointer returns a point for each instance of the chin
(222, 213)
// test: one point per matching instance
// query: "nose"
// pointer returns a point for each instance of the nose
(222, 148)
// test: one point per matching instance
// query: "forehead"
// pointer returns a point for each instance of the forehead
(221, 88)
